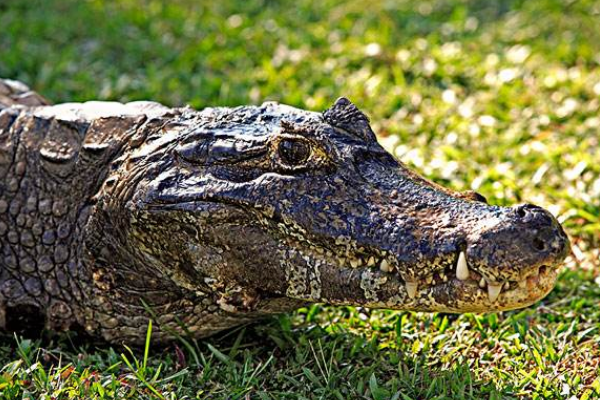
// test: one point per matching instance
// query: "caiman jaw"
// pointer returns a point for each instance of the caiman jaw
(529, 286)
(457, 288)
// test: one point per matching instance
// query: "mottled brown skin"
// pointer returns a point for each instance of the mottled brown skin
(112, 214)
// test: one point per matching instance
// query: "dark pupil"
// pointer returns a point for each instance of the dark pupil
(293, 151)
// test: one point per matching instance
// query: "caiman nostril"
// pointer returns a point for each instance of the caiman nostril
(539, 244)
(521, 212)
(526, 210)
(540, 229)
(529, 213)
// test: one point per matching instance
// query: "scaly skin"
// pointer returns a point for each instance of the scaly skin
(111, 214)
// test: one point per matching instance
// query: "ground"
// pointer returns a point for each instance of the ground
(502, 97)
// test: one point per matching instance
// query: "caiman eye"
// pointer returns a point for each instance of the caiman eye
(293, 152)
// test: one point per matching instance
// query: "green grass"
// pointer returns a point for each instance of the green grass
(502, 97)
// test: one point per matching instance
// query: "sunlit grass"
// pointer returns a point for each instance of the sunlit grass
(501, 97)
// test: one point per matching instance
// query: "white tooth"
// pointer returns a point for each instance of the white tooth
(523, 284)
(494, 292)
(482, 283)
(384, 266)
(411, 289)
(462, 270)
(354, 263)
(371, 261)
(360, 262)
(506, 286)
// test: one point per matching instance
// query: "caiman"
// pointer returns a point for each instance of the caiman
(114, 214)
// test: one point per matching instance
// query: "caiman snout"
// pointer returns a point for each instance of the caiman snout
(519, 238)
(515, 256)
(541, 230)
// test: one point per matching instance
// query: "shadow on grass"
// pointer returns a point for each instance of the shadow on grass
(323, 363)
(269, 359)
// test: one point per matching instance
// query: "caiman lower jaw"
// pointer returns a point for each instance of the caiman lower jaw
(445, 293)
(457, 288)
(457, 291)
(471, 295)
(526, 280)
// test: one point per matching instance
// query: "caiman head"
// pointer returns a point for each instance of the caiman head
(271, 202)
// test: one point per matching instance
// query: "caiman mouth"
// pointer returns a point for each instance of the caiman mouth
(454, 284)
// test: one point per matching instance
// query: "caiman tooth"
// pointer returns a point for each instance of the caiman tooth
(371, 261)
(354, 263)
(529, 273)
(411, 289)
(494, 292)
(462, 270)
(384, 266)
(482, 283)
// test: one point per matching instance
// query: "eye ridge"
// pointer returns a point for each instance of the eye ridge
(294, 152)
